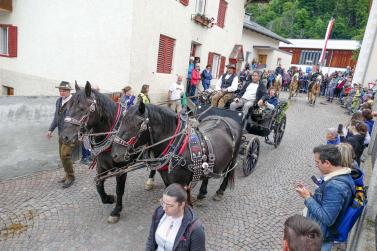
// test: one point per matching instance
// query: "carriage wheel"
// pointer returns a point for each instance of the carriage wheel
(251, 156)
(279, 131)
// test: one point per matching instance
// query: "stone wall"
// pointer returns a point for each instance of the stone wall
(24, 146)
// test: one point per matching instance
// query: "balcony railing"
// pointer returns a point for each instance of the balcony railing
(5, 5)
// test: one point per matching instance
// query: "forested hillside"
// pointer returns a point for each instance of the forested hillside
(309, 18)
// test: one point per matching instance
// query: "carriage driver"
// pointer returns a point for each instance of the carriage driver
(252, 92)
(225, 87)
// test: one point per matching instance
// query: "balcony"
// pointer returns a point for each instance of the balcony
(5, 6)
(203, 20)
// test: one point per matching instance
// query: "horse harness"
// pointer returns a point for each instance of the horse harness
(88, 138)
(200, 148)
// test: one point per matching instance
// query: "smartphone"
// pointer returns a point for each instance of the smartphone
(340, 128)
(315, 180)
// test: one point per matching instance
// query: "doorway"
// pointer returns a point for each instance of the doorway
(7, 91)
(262, 59)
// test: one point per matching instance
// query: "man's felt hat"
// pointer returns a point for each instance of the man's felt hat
(64, 85)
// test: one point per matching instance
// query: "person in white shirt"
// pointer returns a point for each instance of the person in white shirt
(175, 93)
(250, 94)
(225, 87)
(175, 225)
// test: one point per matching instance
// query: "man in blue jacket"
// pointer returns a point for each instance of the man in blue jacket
(333, 196)
(65, 150)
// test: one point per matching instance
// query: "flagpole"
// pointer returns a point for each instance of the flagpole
(328, 33)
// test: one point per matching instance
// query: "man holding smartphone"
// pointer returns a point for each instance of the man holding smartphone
(328, 204)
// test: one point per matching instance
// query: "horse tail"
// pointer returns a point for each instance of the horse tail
(189, 195)
(231, 176)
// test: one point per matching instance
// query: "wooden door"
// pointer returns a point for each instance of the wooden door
(10, 91)
(262, 59)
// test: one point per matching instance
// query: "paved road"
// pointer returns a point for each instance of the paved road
(35, 213)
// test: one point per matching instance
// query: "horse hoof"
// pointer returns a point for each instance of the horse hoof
(218, 197)
(200, 196)
(110, 199)
(113, 219)
(201, 203)
(149, 185)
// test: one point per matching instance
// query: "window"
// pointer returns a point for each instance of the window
(218, 64)
(200, 7)
(4, 40)
(8, 41)
(165, 54)
(310, 57)
(221, 14)
(184, 2)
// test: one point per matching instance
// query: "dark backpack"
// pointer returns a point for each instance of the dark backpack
(342, 227)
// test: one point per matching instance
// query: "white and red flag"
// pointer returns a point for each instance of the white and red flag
(328, 32)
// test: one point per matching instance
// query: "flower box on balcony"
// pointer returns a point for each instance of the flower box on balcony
(202, 20)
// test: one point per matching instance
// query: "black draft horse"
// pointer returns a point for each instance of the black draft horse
(91, 111)
(149, 124)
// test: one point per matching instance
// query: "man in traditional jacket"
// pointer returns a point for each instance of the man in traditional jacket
(65, 150)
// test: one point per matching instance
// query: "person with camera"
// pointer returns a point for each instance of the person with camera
(356, 134)
(328, 205)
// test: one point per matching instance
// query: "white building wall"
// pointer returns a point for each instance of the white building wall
(68, 40)
(171, 18)
(371, 70)
(285, 59)
(251, 38)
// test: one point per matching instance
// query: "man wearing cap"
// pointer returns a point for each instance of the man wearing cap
(65, 150)
(225, 87)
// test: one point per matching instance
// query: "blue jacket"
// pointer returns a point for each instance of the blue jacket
(206, 77)
(127, 101)
(334, 142)
(190, 236)
(190, 68)
(329, 203)
(273, 101)
(370, 124)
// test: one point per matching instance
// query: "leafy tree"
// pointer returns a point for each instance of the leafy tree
(309, 18)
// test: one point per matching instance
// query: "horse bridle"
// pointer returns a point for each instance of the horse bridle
(83, 121)
(130, 144)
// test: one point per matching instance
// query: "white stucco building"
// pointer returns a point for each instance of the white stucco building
(262, 46)
(116, 43)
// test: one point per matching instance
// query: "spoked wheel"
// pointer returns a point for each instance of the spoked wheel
(279, 131)
(251, 156)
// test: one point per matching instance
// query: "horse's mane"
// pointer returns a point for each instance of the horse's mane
(106, 107)
(162, 116)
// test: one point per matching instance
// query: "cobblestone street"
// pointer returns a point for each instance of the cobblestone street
(36, 214)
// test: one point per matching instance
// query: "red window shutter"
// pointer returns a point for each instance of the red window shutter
(222, 66)
(221, 14)
(184, 2)
(165, 54)
(12, 41)
(210, 58)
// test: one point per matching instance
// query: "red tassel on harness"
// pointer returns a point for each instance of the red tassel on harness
(94, 163)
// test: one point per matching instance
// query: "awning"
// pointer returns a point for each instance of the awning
(237, 53)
